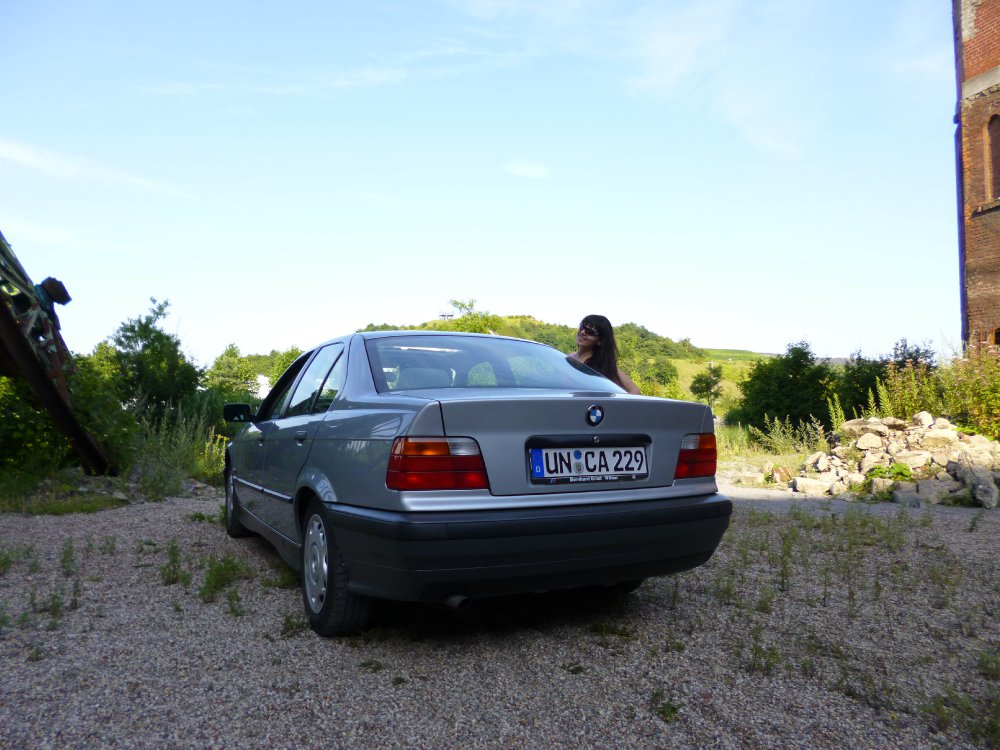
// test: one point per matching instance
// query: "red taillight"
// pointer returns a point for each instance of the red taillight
(436, 463)
(697, 456)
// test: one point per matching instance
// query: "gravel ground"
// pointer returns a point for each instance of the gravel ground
(816, 625)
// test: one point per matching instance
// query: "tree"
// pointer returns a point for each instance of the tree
(155, 376)
(472, 320)
(706, 385)
(792, 386)
(232, 375)
(280, 361)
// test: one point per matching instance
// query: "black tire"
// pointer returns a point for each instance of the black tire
(332, 609)
(234, 527)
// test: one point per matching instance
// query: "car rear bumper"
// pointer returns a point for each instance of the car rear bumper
(430, 556)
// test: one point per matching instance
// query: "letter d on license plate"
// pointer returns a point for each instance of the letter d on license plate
(564, 465)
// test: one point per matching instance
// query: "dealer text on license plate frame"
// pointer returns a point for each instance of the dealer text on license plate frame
(571, 465)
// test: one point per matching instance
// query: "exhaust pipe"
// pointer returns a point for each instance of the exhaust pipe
(457, 601)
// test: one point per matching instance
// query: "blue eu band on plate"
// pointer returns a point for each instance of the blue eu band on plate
(557, 465)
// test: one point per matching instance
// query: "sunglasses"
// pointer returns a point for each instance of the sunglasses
(589, 331)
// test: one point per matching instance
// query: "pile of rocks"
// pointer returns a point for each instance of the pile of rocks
(947, 465)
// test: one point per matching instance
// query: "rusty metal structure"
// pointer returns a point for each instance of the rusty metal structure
(32, 348)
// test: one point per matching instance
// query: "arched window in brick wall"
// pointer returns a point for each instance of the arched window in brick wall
(993, 160)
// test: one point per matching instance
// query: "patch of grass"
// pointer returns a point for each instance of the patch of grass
(673, 645)
(220, 574)
(204, 517)
(974, 522)
(233, 599)
(662, 706)
(607, 629)
(766, 601)
(763, 659)
(173, 570)
(62, 505)
(293, 624)
(283, 578)
(67, 561)
(372, 665)
(961, 499)
(108, 545)
(989, 664)
(6, 560)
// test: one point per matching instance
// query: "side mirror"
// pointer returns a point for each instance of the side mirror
(237, 413)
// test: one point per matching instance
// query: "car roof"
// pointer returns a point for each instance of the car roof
(387, 334)
(366, 335)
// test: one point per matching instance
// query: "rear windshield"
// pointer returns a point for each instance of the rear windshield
(416, 362)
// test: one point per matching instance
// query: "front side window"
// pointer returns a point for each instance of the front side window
(404, 363)
(276, 400)
(312, 380)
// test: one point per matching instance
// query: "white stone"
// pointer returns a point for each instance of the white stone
(809, 486)
(868, 441)
(913, 459)
(939, 438)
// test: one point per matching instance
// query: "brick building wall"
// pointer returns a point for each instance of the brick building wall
(977, 145)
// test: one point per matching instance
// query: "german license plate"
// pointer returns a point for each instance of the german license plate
(566, 465)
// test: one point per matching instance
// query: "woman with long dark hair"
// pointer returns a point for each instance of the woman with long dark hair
(596, 348)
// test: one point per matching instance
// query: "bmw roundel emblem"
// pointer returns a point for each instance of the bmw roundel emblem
(595, 415)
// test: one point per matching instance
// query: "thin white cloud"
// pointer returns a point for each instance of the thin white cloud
(53, 164)
(279, 83)
(18, 230)
(527, 169)
(40, 160)
(726, 58)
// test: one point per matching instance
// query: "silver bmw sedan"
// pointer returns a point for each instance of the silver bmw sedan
(442, 467)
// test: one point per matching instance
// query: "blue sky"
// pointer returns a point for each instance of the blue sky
(743, 173)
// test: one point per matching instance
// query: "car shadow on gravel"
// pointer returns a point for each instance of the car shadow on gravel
(499, 615)
(411, 621)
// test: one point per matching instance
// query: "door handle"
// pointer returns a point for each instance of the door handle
(300, 436)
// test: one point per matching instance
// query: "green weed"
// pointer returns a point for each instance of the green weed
(220, 574)
(293, 624)
(989, 664)
(233, 599)
(173, 571)
(67, 561)
(662, 706)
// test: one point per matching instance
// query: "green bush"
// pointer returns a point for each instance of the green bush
(29, 440)
(782, 437)
(169, 451)
(970, 389)
(913, 387)
(792, 388)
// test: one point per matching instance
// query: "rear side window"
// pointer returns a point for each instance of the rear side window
(406, 363)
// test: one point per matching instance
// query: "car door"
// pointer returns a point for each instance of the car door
(290, 439)
(250, 447)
